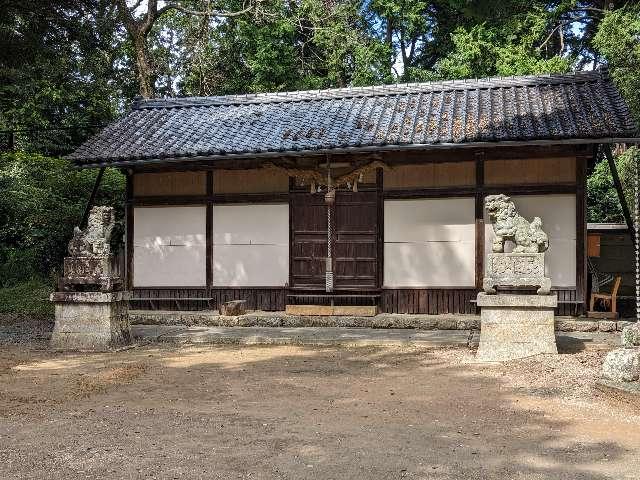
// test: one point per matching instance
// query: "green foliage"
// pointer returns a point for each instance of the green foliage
(618, 39)
(505, 49)
(42, 200)
(58, 63)
(602, 199)
(29, 297)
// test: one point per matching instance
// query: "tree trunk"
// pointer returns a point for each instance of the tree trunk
(143, 67)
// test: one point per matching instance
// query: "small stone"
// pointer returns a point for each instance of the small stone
(607, 326)
(622, 365)
(631, 336)
(233, 308)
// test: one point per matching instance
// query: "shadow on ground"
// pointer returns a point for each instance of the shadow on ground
(292, 412)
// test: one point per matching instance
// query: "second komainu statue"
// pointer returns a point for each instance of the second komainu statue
(508, 224)
(524, 267)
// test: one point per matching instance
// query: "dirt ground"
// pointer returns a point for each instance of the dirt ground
(295, 413)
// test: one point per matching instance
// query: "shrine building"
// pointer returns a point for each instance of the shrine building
(355, 196)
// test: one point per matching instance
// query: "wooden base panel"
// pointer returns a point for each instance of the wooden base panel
(607, 315)
(327, 310)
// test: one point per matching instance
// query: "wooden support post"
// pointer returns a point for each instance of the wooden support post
(128, 246)
(209, 231)
(621, 198)
(380, 225)
(92, 197)
(479, 218)
(581, 233)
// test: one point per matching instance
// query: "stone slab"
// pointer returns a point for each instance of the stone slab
(311, 336)
(327, 310)
(381, 320)
(522, 301)
(89, 297)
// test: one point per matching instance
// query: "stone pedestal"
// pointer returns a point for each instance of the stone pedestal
(94, 321)
(516, 326)
(516, 270)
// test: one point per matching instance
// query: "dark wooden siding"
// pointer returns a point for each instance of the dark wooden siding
(258, 298)
(430, 301)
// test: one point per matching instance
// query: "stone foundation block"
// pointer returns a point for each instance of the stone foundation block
(516, 326)
(607, 326)
(631, 336)
(622, 365)
(93, 321)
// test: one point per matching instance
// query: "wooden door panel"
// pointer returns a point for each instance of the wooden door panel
(354, 240)
(309, 241)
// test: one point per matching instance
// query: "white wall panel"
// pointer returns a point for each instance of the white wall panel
(558, 214)
(429, 243)
(169, 246)
(251, 245)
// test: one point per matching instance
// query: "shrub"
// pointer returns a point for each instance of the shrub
(42, 199)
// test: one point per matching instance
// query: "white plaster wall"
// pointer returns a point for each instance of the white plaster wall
(429, 243)
(558, 214)
(251, 245)
(169, 246)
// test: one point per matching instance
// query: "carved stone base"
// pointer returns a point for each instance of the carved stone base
(516, 270)
(93, 321)
(516, 326)
(90, 270)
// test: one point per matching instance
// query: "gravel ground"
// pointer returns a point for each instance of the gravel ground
(291, 412)
(16, 329)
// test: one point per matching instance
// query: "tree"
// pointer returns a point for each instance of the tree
(139, 27)
(58, 63)
(618, 40)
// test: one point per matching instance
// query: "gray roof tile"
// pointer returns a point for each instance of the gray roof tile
(582, 105)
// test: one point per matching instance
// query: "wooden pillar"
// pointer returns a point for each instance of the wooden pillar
(128, 246)
(581, 233)
(292, 186)
(380, 225)
(479, 217)
(209, 231)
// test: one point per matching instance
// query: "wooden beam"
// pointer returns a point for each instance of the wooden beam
(479, 221)
(92, 197)
(129, 231)
(209, 231)
(620, 191)
(581, 232)
(216, 198)
(380, 225)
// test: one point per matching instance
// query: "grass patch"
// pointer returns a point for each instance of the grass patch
(31, 297)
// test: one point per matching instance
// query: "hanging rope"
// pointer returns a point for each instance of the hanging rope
(329, 266)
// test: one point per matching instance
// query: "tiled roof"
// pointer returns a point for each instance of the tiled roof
(582, 105)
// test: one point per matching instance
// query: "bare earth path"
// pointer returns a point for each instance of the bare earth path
(293, 412)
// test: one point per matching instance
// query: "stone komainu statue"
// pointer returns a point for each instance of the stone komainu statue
(94, 240)
(508, 224)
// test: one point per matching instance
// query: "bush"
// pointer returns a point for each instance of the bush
(42, 199)
(30, 297)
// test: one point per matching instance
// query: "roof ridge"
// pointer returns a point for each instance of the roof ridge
(369, 91)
